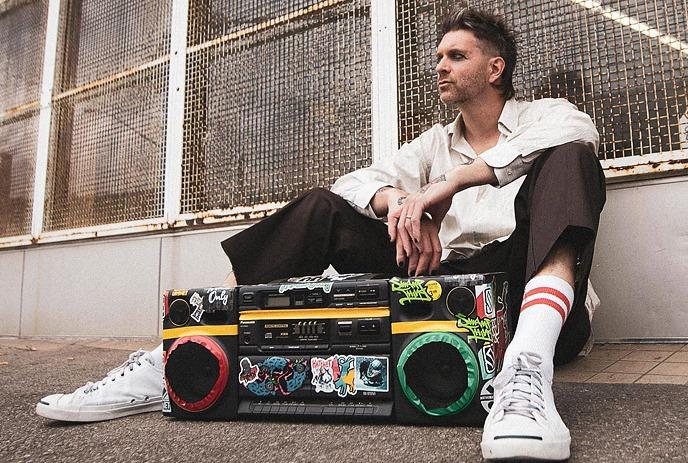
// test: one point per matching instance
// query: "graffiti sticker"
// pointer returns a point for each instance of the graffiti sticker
(478, 329)
(218, 294)
(326, 287)
(487, 395)
(487, 361)
(274, 376)
(416, 290)
(484, 301)
(197, 301)
(348, 374)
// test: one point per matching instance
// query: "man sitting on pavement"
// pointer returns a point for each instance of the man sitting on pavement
(508, 186)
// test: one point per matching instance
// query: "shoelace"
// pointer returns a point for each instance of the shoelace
(522, 387)
(134, 359)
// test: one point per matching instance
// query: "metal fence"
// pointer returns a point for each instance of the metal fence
(276, 97)
(624, 62)
(22, 39)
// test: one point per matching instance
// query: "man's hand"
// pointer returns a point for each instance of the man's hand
(424, 259)
(434, 199)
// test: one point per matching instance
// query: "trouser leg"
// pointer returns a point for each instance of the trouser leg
(560, 199)
(315, 230)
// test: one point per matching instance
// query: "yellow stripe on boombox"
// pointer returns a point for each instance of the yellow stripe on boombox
(206, 330)
(427, 327)
(288, 314)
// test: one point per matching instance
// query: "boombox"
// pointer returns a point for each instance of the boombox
(200, 353)
(315, 347)
(449, 334)
(424, 350)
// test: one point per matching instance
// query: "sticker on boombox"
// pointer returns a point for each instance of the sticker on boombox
(311, 376)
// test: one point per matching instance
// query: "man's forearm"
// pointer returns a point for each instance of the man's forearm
(472, 174)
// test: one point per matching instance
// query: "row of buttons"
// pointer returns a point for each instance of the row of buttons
(292, 408)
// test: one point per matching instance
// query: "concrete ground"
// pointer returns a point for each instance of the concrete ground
(609, 422)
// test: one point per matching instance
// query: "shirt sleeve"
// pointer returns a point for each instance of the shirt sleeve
(407, 170)
(547, 123)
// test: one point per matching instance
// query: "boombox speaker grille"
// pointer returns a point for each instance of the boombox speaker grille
(438, 373)
(197, 370)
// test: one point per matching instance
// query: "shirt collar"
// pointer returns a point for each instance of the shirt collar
(508, 121)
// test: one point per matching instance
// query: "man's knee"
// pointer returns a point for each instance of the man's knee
(321, 201)
(573, 155)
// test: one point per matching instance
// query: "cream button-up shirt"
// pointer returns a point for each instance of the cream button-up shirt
(481, 214)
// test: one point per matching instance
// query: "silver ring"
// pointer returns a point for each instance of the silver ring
(408, 218)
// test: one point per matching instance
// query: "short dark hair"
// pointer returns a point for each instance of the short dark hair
(492, 31)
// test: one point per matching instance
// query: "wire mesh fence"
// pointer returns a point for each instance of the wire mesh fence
(22, 40)
(278, 94)
(277, 99)
(107, 155)
(624, 62)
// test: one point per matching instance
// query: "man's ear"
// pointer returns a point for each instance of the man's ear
(496, 68)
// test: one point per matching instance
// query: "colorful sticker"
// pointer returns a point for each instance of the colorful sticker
(373, 373)
(348, 374)
(274, 376)
(478, 329)
(487, 395)
(484, 301)
(416, 290)
(180, 292)
(487, 361)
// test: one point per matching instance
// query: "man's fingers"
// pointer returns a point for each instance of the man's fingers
(392, 227)
(402, 234)
(436, 251)
(416, 217)
(401, 255)
(413, 262)
(426, 256)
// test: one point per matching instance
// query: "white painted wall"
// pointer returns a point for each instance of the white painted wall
(112, 287)
(640, 268)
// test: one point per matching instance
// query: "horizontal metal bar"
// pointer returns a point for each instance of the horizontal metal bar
(112, 78)
(650, 165)
(266, 25)
(19, 110)
(15, 241)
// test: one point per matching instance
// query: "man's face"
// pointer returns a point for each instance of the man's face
(463, 69)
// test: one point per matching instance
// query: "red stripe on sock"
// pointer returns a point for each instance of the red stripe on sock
(545, 301)
(553, 292)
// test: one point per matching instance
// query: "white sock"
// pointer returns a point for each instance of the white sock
(547, 301)
(156, 354)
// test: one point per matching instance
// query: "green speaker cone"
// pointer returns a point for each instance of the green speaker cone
(472, 372)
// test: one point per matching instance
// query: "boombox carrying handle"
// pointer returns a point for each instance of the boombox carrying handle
(472, 368)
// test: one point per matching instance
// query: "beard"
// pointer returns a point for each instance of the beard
(464, 91)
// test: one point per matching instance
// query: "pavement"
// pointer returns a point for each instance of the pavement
(608, 422)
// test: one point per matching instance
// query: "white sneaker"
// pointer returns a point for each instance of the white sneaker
(523, 422)
(133, 387)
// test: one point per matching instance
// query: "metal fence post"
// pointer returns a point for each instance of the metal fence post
(175, 110)
(44, 118)
(384, 78)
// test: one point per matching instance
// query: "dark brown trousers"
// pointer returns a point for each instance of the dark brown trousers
(561, 198)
